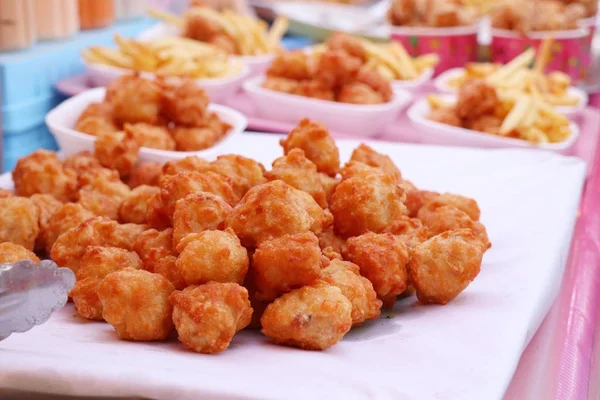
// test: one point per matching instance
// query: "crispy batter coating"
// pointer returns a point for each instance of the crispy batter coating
(415, 199)
(199, 212)
(410, 230)
(152, 246)
(315, 89)
(208, 316)
(359, 93)
(47, 205)
(96, 263)
(103, 110)
(151, 136)
(145, 173)
(134, 207)
(465, 204)
(194, 138)
(336, 68)
(185, 103)
(42, 172)
(347, 43)
(299, 172)
(156, 213)
(328, 238)
(96, 126)
(367, 155)
(284, 85)
(445, 116)
(191, 163)
(291, 65)
(81, 162)
(285, 263)
(212, 256)
(134, 99)
(329, 185)
(360, 169)
(382, 259)
(243, 172)
(89, 176)
(322, 218)
(136, 303)
(11, 253)
(19, 221)
(312, 318)
(68, 216)
(6, 193)
(485, 123)
(443, 266)
(358, 289)
(103, 196)
(319, 147)
(366, 203)
(117, 151)
(476, 98)
(376, 82)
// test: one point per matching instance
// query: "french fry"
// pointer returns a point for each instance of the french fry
(167, 17)
(278, 29)
(521, 61)
(409, 71)
(543, 55)
(516, 115)
(436, 102)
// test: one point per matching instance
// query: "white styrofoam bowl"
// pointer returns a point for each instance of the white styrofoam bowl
(62, 120)
(352, 119)
(432, 132)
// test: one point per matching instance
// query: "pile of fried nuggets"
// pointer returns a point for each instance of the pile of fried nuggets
(304, 251)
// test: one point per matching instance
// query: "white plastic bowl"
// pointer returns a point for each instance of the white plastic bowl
(442, 84)
(62, 120)
(432, 132)
(411, 84)
(352, 119)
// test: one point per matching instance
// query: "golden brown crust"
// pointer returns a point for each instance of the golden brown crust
(19, 221)
(11, 253)
(243, 172)
(134, 207)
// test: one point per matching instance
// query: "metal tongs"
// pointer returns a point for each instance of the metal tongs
(30, 293)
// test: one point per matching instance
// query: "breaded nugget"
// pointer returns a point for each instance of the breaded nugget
(315, 89)
(415, 199)
(145, 173)
(156, 214)
(359, 93)
(366, 203)
(117, 151)
(321, 218)
(11, 253)
(476, 98)
(319, 147)
(347, 43)
(47, 205)
(328, 238)
(443, 266)
(465, 204)
(185, 103)
(151, 136)
(360, 169)
(372, 158)
(191, 163)
(243, 172)
(69, 216)
(96, 126)
(212, 256)
(285, 263)
(448, 218)
(199, 212)
(103, 110)
(134, 99)
(6, 193)
(96, 263)
(208, 316)
(291, 65)
(135, 206)
(382, 259)
(152, 246)
(89, 176)
(329, 185)
(336, 68)
(19, 221)
(103, 196)
(42, 172)
(410, 230)
(81, 162)
(358, 289)
(312, 318)
(284, 85)
(376, 82)
(136, 303)
(299, 172)
(445, 115)
(194, 138)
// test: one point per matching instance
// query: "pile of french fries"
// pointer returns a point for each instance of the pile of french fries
(251, 36)
(517, 76)
(391, 60)
(168, 56)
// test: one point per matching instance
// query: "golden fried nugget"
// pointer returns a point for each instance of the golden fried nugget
(103, 196)
(103, 110)
(415, 199)
(152, 245)
(445, 115)
(208, 316)
(359, 93)
(180, 185)
(89, 176)
(194, 138)
(367, 155)
(96, 126)
(81, 162)
(328, 238)
(42, 172)
(212, 256)
(290, 65)
(299, 172)
(319, 147)
(355, 168)
(476, 98)
(269, 211)
(243, 172)
(47, 205)
(285, 263)
(117, 151)
(151, 136)
(358, 289)
(336, 68)
(284, 85)
(322, 218)
(156, 214)
(329, 185)
(448, 218)
(312, 318)
(69, 216)
(199, 212)
(366, 203)
(135, 206)
(145, 173)
(443, 266)
(19, 221)
(347, 43)
(465, 204)
(134, 99)
(382, 259)
(191, 163)
(96, 263)
(11, 253)
(315, 89)
(136, 303)
(6, 193)
(410, 230)
(185, 103)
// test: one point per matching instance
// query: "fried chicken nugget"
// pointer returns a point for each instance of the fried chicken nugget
(336, 68)
(152, 246)
(194, 138)
(328, 238)
(47, 205)
(359, 93)
(285, 263)
(191, 163)
(445, 115)
(96, 126)
(376, 82)
(156, 213)
(299, 172)
(358, 289)
(117, 151)
(410, 230)
(315, 89)
(322, 218)
(318, 145)
(136, 303)
(19, 221)
(134, 207)
(291, 65)
(151, 136)
(208, 316)
(81, 162)
(42, 172)
(329, 185)
(134, 99)
(372, 158)
(312, 317)
(185, 103)
(382, 259)
(415, 199)
(6, 193)
(476, 98)
(103, 196)
(347, 43)
(284, 85)
(145, 173)
(443, 266)
(360, 169)
(70, 215)
(365, 203)
(465, 204)
(96, 263)
(212, 256)
(243, 172)
(199, 212)
(11, 253)
(89, 176)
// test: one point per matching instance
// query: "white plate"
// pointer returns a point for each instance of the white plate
(466, 350)
(352, 119)
(442, 84)
(438, 133)
(411, 84)
(62, 120)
